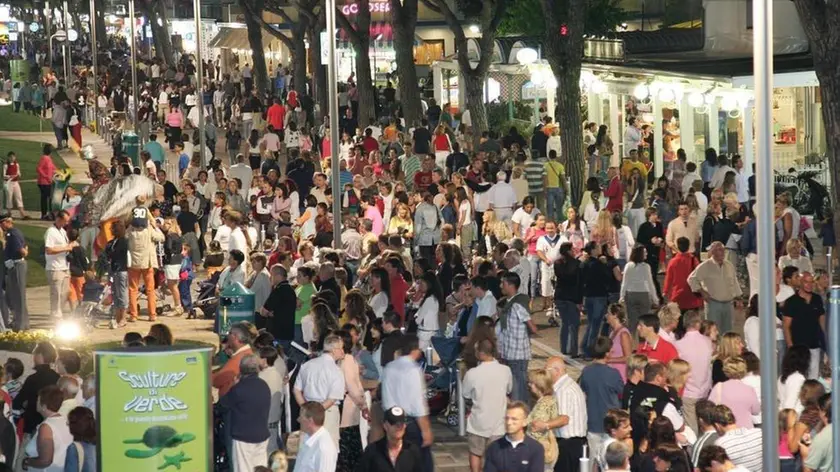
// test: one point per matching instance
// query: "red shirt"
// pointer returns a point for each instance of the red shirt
(46, 170)
(276, 114)
(442, 143)
(13, 171)
(292, 99)
(399, 287)
(663, 351)
(614, 193)
(676, 287)
(370, 144)
(422, 180)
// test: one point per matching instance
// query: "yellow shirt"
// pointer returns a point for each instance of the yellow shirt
(553, 171)
(628, 165)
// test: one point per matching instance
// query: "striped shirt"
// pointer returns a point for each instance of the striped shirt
(534, 171)
(570, 402)
(743, 446)
(410, 166)
(709, 437)
(514, 342)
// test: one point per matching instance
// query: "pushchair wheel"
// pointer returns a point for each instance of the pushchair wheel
(452, 420)
(553, 322)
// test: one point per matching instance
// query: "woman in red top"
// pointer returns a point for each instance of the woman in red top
(14, 198)
(46, 171)
(442, 146)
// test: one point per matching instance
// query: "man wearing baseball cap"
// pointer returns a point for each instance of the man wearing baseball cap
(15, 251)
(392, 453)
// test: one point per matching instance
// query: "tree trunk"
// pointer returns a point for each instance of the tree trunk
(404, 22)
(101, 32)
(474, 94)
(319, 71)
(154, 11)
(299, 60)
(830, 94)
(360, 37)
(260, 71)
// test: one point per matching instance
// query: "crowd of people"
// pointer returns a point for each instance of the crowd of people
(453, 242)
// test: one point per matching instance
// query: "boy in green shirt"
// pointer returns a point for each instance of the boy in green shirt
(304, 291)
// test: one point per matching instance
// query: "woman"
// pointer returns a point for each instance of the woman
(622, 342)
(380, 285)
(161, 334)
(545, 409)
(532, 237)
(282, 202)
(604, 144)
(734, 393)
(592, 209)
(573, 231)
(636, 196)
(254, 152)
(708, 169)
(794, 371)
(46, 171)
(306, 222)
(81, 455)
(671, 458)
(464, 228)
(174, 124)
(661, 434)
(638, 293)
(482, 329)
(401, 224)
(117, 254)
(603, 232)
(809, 421)
(354, 408)
(752, 328)
(448, 267)
(567, 297)
(173, 245)
(427, 316)
(623, 239)
(46, 451)
(730, 345)
(787, 223)
(794, 257)
(292, 138)
(548, 251)
(442, 146)
(427, 224)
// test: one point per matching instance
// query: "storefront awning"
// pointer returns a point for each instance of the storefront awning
(237, 38)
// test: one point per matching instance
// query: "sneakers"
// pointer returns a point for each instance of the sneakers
(178, 311)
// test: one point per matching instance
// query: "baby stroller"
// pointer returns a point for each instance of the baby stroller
(442, 379)
(206, 301)
(96, 304)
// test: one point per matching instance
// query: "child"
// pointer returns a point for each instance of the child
(140, 214)
(12, 373)
(186, 276)
(78, 261)
(214, 259)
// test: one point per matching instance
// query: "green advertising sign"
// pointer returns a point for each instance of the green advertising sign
(154, 410)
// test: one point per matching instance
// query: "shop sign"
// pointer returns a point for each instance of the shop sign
(154, 409)
(375, 7)
(532, 91)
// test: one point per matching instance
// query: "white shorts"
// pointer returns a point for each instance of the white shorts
(14, 198)
(172, 271)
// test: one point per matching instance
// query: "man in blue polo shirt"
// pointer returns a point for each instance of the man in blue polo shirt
(154, 148)
(14, 252)
(183, 160)
(516, 451)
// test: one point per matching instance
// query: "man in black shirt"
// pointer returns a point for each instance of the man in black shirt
(433, 113)
(650, 393)
(169, 189)
(391, 337)
(422, 138)
(43, 357)
(803, 320)
(281, 323)
(390, 94)
(15, 252)
(457, 160)
(392, 453)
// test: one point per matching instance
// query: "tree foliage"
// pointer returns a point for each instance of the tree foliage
(525, 17)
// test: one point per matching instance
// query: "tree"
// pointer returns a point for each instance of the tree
(319, 72)
(360, 37)
(155, 12)
(489, 14)
(404, 22)
(819, 19)
(253, 18)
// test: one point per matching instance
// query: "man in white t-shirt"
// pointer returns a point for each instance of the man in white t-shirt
(56, 247)
(242, 171)
(502, 198)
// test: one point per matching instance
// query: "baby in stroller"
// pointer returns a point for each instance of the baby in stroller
(96, 300)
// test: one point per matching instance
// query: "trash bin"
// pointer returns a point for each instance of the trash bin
(236, 303)
(131, 146)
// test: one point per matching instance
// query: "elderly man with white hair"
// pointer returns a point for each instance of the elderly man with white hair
(321, 380)
(514, 263)
(89, 393)
(502, 198)
(248, 404)
(715, 279)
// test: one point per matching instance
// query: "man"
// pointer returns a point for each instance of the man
(821, 453)
(716, 281)
(742, 445)
(720, 173)
(683, 226)
(516, 451)
(536, 176)
(617, 430)
(570, 424)
(281, 322)
(603, 386)
(653, 346)
(404, 386)
(512, 334)
(143, 238)
(15, 251)
(689, 178)
(392, 453)
(617, 458)
(652, 392)
(423, 178)
(514, 262)
(318, 452)
(803, 322)
(422, 139)
(399, 287)
(233, 220)
(502, 198)
(155, 149)
(89, 393)
(70, 388)
(631, 162)
(242, 171)
(676, 287)
(707, 434)
(697, 350)
(248, 404)
(321, 380)
(487, 385)
(614, 191)
(391, 340)
(460, 307)
(742, 187)
(456, 161)
(320, 189)
(238, 346)
(551, 174)
(57, 247)
(276, 116)
(715, 459)
(43, 357)
(484, 298)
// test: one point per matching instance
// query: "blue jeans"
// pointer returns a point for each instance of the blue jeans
(413, 434)
(596, 308)
(519, 370)
(554, 204)
(569, 328)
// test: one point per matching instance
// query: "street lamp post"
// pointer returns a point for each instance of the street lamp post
(68, 61)
(133, 62)
(200, 71)
(48, 20)
(94, 50)
(332, 96)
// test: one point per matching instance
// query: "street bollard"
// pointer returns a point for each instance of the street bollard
(462, 414)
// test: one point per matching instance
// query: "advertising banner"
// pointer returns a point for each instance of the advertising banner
(154, 410)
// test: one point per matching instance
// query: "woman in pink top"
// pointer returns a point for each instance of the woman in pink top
(45, 171)
(532, 234)
(622, 344)
(738, 396)
(174, 122)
